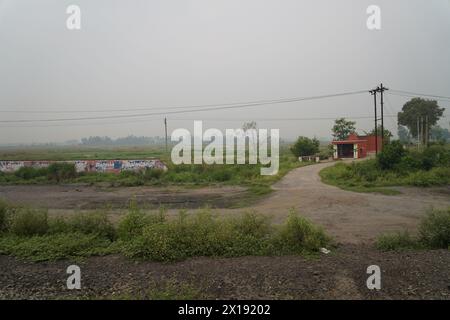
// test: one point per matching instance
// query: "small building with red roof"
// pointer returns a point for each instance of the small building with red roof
(356, 147)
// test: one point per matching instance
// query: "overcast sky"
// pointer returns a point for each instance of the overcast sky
(166, 53)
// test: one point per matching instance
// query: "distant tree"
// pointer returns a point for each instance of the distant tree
(440, 134)
(252, 125)
(249, 125)
(420, 108)
(403, 135)
(305, 147)
(387, 134)
(343, 128)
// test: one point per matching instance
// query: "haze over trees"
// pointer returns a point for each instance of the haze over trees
(426, 111)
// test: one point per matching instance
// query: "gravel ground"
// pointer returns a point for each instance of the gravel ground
(338, 275)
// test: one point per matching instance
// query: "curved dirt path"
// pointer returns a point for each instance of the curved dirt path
(350, 217)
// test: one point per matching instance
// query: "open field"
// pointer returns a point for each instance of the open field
(80, 153)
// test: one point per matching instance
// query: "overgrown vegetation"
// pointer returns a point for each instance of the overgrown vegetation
(395, 166)
(31, 234)
(434, 233)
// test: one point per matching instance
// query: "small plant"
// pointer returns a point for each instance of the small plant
(397, 241)
(299, 235)
(434, 230)
(434, 233)
(61, 171)
(96, 223)
(4, 208)
(28, 222)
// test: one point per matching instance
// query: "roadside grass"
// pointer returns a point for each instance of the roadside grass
(154, 237)
(421, 169)
(433, 233)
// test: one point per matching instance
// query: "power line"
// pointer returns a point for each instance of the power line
(415, 94)
(261, 102)
(198, 109)
(193, 119)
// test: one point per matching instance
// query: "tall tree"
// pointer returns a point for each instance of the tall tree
(426, 111)
(343, 128)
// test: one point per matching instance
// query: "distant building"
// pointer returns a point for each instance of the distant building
(355, 147)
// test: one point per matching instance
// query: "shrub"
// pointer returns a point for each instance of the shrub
(4, 208)
(27, 222)
(435, 156)
(61, 171)
(96, 223)
(300, 235)
(28, 173)
(204, 235)
(434, 230)
(134, 222)
(396, 241)
(434, 233)
(305, 147)
(391, 155)
(153, 174)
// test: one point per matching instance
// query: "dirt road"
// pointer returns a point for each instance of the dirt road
(349, 217)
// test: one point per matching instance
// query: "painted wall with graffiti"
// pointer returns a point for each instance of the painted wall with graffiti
(114, 166)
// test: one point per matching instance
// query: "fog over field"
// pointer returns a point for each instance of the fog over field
(155, 54)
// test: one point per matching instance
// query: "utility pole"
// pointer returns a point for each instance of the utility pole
(382, 89)
(165, 127)
(418, 134)
(374, 93)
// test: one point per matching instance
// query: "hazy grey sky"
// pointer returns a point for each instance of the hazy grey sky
(158, 53)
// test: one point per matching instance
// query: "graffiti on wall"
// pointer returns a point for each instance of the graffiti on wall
(114, 166)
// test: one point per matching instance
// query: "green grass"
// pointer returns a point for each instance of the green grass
(433, 233)
(155, 237)
(365, 176)
(51, 247)
(395, 166)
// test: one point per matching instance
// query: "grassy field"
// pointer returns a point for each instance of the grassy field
(180, 175)
(81, 153)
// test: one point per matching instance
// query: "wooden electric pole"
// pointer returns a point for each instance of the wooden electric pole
(381, 90)
(165, 127)
(374, 93)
